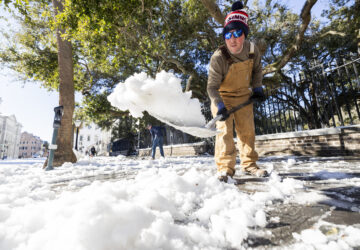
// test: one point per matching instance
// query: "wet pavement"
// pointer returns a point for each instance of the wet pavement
(336, 178)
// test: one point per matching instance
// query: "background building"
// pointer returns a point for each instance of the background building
(91, 135)
(30, 146)
(10, 131)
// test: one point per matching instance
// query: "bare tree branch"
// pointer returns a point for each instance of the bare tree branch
(306, 18)
(333, 33)
(305, 15)
(214, 10)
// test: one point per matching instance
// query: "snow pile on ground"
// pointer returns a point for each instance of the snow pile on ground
(161, 97)
(324, 235)
(172, 203)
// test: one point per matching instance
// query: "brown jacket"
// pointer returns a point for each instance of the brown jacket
(219, 67)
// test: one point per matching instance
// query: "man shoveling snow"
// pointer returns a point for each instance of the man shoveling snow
(235, 78)
(234, 69)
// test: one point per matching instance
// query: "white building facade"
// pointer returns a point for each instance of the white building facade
(91, 135)
(10, 133)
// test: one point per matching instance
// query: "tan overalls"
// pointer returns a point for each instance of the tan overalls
(234, 90)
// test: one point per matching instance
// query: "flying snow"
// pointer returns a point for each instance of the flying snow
(162, 98)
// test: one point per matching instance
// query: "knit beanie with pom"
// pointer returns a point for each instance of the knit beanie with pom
(236, 19)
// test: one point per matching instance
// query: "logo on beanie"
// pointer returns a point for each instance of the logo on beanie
(236, 16)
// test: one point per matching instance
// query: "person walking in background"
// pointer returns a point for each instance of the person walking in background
(92, 151)
(235, 76)
(157, 138)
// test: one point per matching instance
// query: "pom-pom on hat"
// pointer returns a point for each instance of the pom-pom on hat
(236, 19)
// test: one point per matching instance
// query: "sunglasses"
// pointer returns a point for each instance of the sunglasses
(236, 33)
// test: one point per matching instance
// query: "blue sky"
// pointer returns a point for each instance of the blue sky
(33, 106)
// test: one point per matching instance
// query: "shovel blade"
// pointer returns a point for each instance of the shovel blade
(202, 132)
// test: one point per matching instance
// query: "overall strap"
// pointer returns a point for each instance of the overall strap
(252, 51)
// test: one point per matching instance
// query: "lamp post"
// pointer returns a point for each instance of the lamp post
(77, 125)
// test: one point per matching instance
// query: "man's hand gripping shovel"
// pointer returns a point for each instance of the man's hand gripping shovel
(211, 124)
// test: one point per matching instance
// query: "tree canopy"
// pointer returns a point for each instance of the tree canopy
(112, 40)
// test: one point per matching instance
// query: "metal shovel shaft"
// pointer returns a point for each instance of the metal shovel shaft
(211, 124)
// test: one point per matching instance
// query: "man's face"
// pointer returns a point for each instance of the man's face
(234, 44)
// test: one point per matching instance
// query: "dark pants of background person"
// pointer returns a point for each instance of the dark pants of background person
(158, 141)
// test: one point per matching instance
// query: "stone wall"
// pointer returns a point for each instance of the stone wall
(338, 141)
(189, 149)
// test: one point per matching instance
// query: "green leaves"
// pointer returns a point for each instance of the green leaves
(114, 39)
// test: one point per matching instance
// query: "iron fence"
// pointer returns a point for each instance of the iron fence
(322, 96)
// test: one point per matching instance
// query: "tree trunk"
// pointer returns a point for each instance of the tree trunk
(64, 141)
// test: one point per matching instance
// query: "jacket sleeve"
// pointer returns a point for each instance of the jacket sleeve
(215, 77)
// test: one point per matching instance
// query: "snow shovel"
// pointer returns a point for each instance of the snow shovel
(211, 124)
(208, 130)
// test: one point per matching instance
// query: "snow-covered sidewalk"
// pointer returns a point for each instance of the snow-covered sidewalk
(174, 203)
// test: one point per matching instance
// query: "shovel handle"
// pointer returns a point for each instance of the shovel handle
(236, 108)
(211, 124)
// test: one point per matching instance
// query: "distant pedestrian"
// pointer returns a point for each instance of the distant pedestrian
(157, 138)
(92, 151)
